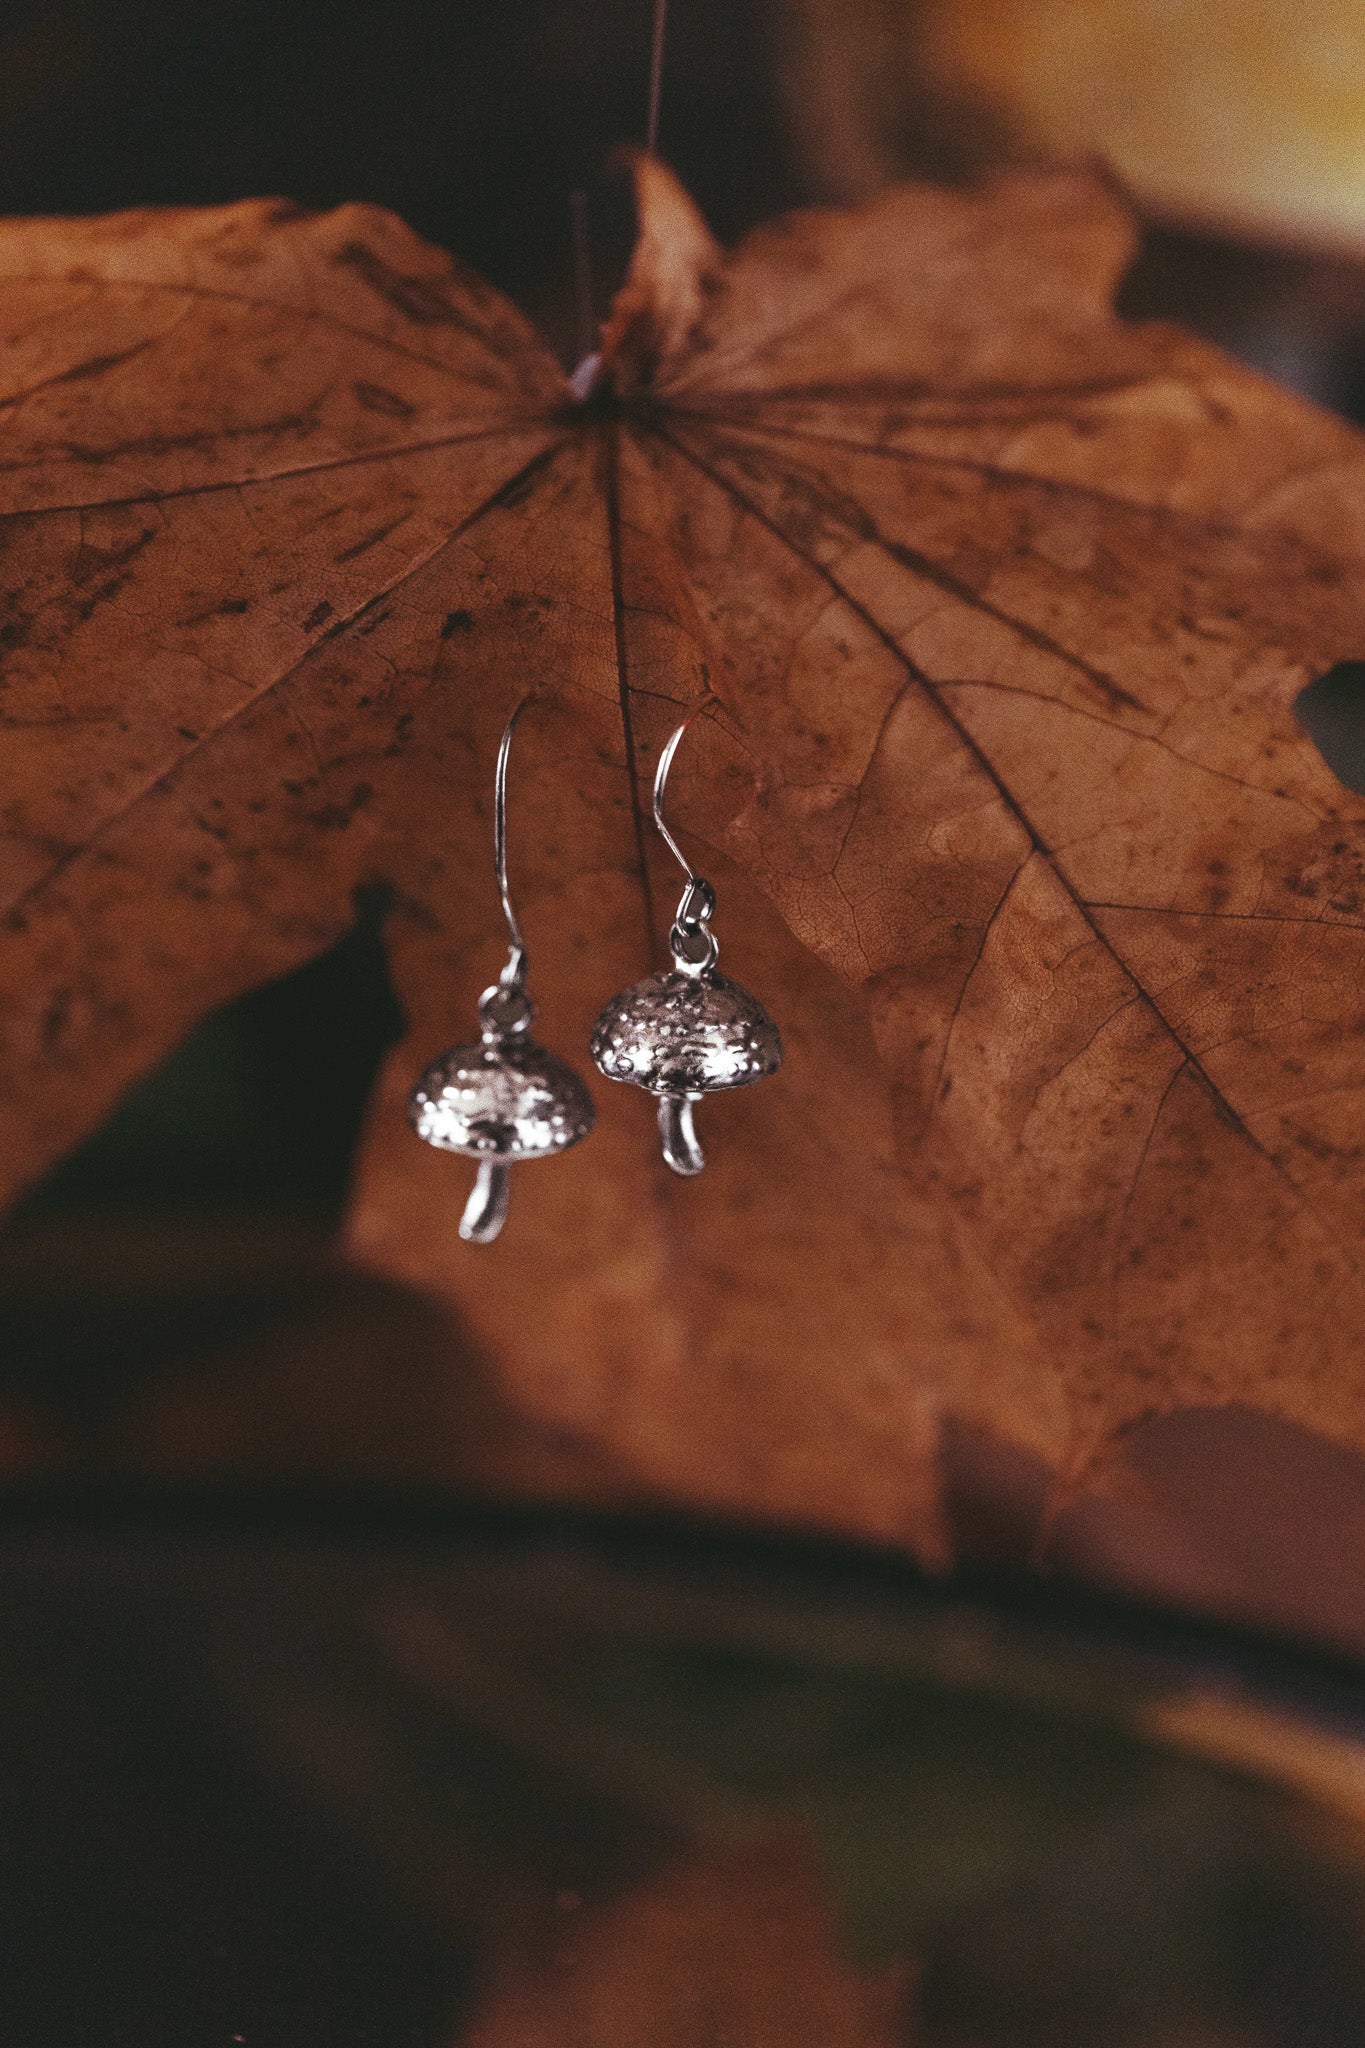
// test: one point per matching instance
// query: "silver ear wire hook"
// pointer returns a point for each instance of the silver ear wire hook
(660, 785)
(692, 943)
(514, 973)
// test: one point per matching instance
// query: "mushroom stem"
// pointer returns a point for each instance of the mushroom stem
(486, 1210)
(681, 1149)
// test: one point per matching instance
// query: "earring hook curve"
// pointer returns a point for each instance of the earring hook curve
(513, 975)
(691, 941)
(660, 784)
(699, 898)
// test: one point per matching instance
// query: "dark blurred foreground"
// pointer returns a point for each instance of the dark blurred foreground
(406, 1781)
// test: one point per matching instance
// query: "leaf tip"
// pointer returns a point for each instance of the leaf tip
(672, 273)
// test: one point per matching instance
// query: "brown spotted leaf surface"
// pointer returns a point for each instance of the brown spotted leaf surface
(999, 609)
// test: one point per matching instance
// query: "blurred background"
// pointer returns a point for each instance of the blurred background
(170, 1310)
(1238, 126)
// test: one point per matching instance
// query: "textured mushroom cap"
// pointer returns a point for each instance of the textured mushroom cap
(686, 1034)
(507, 1101)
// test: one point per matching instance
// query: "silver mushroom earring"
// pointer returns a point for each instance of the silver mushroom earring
(504, 1098)
(684, 1033)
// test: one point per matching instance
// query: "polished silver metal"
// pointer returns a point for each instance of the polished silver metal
(503, 1098)
(661, 774)
(514, 973)
(689, 1031)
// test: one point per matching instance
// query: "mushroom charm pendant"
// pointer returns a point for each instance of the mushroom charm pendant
(689, 1031)
(498, 1101)
(503, 1098)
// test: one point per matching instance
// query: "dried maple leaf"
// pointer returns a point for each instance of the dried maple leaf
(1002, 607)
